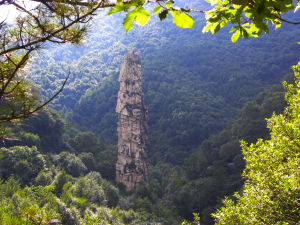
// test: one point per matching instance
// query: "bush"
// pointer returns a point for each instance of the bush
(70, 163)
(111, 193)
(43, 178)
(21, 161)
(60, 181)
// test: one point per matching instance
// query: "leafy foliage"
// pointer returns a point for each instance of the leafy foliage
(249, 18)
(214, 170)
(31, 205)
(140, 15)
(21, 161)
(68, 200)
(271, 191)
(200, 80)
(174, 90)
(54, 21)
(44, 130)
(61, 22)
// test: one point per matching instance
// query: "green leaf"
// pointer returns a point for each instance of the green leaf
(114, 10)
(245, 33)
(169, 4)
(206, 28)
(214, 19)
(142, 16)
(120, 6)
(182, 19)
(163, 15)
(157, 9)
(128, 21)
(235, 36)
(217, 28)
(277, 25)
(232, 29)
(138, 15)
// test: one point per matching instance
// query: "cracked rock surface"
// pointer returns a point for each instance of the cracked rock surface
(131, 167)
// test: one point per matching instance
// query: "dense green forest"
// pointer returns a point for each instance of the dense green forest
(204, 94)
(62, 173)
(193, 82)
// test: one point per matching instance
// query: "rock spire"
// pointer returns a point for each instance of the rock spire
(131, 167)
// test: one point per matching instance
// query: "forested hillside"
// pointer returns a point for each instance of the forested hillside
(214, 169)
(193, 82)
(204, 94)
(69, 165)
(185, 108)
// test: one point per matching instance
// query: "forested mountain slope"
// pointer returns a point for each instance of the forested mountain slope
(62, 179)
(53, 171)
(174, 192)
(214, 169)
(193, 82)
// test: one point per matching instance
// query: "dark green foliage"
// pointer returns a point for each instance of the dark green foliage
(89, 160)
(251, 123)
(60, 180)
(44, 130)
(214, 170)
(192, 87)
(112, 194)
(106, 162)
(174, 192)
(270, 194)
(86, 142)
(70, 163)
(43, 178)
(95, 154)
(21, 161)
(193, 83)
(49, 126)
(102, 110)
(52, 134)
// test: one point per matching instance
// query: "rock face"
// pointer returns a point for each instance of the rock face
(131, 167)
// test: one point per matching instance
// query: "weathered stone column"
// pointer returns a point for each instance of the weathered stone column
(131, 167)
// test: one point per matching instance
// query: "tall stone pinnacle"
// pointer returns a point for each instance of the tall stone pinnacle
(131, 167)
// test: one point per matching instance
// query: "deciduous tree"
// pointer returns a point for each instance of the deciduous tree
(271, 192)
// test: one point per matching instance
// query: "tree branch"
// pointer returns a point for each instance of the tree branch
(18, 66)
(286, 21)
(26, 114)
(102, 4)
